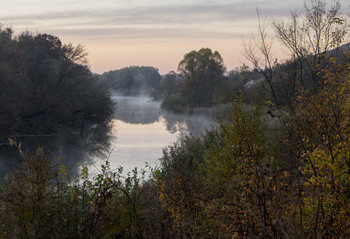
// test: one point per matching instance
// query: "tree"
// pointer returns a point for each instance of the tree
(167, 86)
(180, 187)
(311, 92)
(322, 127)
(46, 84)
(312, 38)
(40, 201)
(226, 183)
(49, 96)
(201, 70)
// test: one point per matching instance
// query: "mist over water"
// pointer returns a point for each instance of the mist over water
(136, 109)
(137, 134)
(141, 130)
(143, 110)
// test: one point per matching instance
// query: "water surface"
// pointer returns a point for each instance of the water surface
(141, 131)
(136, 136)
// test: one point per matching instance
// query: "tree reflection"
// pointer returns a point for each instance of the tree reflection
(194, 124)
(137, 109)
(142, 110)
(73, 148)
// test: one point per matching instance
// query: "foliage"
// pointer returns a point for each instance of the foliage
(201, 70)
(36, 202)
(223, 92)
(176, 103)
(224, 183)
(243, 179)
(322, 126)
(180, 186)
(47, 86)
(132, 80)
(201, 83)
(39, 201)
(312, 39)
(167, 86)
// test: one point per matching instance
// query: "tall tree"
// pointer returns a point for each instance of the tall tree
(201, 70)
(46, 86)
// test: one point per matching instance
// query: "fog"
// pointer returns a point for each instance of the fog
(136, 109)
(136, 135)
(143, 110)
(142, 130)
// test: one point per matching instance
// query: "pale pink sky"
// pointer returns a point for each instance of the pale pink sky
(120, 33)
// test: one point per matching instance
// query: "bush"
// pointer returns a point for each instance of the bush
(175, 103)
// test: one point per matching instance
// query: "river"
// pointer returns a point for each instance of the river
(141, 130)
(137, 135)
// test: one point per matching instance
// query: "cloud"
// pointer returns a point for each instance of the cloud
(201, 14)
(149, 19)
(166, 14)
(123, 33)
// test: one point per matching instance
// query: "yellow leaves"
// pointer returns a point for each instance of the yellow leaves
(235, 235)
(324, 130)
(3, 231)
(270, 103)
(326, 172)
(84, 175)
(73, 194)
(338, 21)
(62, 172)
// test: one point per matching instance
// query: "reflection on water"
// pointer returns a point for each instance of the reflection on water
(75, 148)
(142, 110)
(137, 110)
(185, 123)
(136, 144)
(142, 130)
(137, 134)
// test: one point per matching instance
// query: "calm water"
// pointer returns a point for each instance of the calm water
(141, 130)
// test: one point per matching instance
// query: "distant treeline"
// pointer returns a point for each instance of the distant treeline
(202, 81)
(132, 80)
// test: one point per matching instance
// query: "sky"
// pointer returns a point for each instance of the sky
(158, 33)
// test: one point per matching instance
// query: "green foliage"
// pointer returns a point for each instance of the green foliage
(35, 204)
(243, 179)
(167, 86)
(46, 86)
(229, 182)
(223, 92)
(176, 103)
(201, 71)
(241, 141)
(322, 126)
(201, 83)
(39, 201)
(132, 80)
(224, 183)
(180, 186)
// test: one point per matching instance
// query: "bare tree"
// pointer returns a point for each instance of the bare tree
(313, 38)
